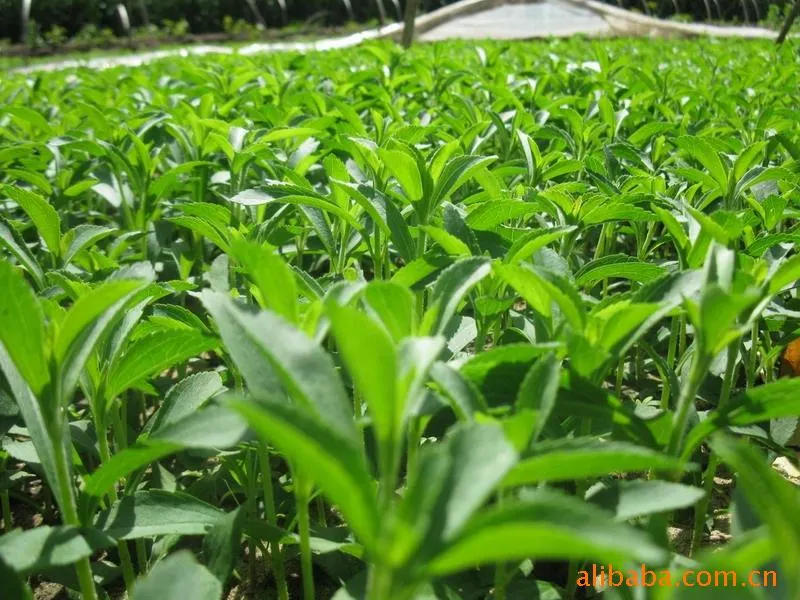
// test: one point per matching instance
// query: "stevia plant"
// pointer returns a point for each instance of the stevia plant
(455, 323)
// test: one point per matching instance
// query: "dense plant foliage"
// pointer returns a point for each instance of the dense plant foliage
(451, 323)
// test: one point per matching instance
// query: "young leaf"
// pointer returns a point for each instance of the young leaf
(82, 237)
(87, 310)
(374, 373)
(152, 354)
(539, 391)
(705, 154)
(34, 418)
(211, 428)
(86, 323)
(465, 399)
(581, 458)
(456, 173)
(335, 463)
(22, 328)
(263, 343)
(618, 266)
(404, 168)
(453, 481)
(631, 499)
(545, 525)
(16, 245)
(394, 306)
(452, 285)
(184, 398)
(42, 214)
(272, 276)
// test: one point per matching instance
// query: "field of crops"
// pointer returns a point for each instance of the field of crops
(456, 323)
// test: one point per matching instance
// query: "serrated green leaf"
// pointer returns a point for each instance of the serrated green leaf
(152, 354)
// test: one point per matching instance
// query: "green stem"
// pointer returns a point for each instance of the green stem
(127, 566)
(501, 568)
(638, 364)
(412, 455)
(682, 335)
(752, 367)
(141, 555)
(713, 462)
(251, 511)
(421, 241)
(685, 400)
(69, 509)
(480, 340)
(581, 486)
(5, 505)
(769, 367)
(671, 355)
(319, 501)
(278, 567)
(302, 495)
(572, 580)
(380, 583)
(102, 440)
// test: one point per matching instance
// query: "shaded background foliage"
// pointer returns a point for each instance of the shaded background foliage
(747, 11)
(203, 16)
(206, 16)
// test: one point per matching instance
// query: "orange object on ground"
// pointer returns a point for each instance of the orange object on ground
(790, 361)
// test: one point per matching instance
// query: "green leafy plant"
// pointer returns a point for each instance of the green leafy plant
(458, 322)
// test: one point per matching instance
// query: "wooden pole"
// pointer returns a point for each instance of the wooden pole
(787, 24)
(408, 30)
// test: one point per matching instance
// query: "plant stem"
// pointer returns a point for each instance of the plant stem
(480, 339)
(412, 455)
(752, 367)
(713, 461)
(302, 495)
(500, 570)
(681, 335)
(688, 393)
(671, 354)
(319, 501)
(421, 241)
(5, 505)
(69, 510)
(380, 583)
(128, 572)
(581, 486)
(251, 511)
(271, 517)
(141, 555)
(127, 566)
